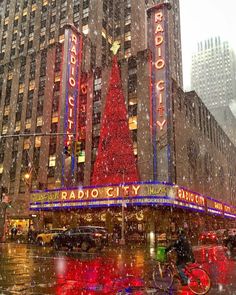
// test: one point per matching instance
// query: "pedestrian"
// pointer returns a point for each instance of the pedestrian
(31, 234)
(13, 232)
(3, 206)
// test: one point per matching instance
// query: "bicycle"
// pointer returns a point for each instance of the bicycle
(164, 273)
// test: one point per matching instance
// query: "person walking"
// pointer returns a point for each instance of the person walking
(3, 206)
(13, 232)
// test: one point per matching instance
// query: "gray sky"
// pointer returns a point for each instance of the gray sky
(202, 19)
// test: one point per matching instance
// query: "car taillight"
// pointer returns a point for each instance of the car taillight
(213, 236)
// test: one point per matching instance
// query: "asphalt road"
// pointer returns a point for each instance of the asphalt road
(28, 269)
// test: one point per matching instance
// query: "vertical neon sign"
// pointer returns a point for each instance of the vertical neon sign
(161, 113)
(70, 97)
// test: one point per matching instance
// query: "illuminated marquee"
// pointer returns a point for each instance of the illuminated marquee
(94, 193)
(141, 194)
(106, 192)
(214, 206)
(191, 197)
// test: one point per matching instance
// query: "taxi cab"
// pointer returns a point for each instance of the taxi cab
(47, 236)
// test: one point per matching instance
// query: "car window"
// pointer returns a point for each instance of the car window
(56, 231)
(69, 231)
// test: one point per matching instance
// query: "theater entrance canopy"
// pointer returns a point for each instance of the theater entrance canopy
(132, 194)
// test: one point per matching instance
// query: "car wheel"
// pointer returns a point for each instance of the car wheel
(56, 246)
(85, 246)
(70, 247)
(230, 246)
(40, 242)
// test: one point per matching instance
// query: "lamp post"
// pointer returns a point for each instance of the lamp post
(122, 241)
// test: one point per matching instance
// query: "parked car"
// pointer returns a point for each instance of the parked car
(208, 237)
(220, 233)
(230, 239)
(47, 236)
(83, 237)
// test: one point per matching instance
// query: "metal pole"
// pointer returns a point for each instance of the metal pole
(122, 241)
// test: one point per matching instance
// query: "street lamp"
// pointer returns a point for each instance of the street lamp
(122, 241)
(27, 177)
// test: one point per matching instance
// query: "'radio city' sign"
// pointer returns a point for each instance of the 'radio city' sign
(191, 197)
(159, 65)
(72, 60)
(146, 194)
(158, 43)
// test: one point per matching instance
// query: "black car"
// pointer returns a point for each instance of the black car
(230, 242)
(83, 237)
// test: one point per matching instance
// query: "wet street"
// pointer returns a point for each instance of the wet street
(29, 269)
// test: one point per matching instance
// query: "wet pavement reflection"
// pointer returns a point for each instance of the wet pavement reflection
(27, 269)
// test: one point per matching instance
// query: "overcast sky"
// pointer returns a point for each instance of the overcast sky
(202, 19)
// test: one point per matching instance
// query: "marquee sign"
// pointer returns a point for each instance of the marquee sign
(191, 197)
(136, 194)
(214, 206)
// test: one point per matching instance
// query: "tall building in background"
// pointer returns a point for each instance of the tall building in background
(213, 78)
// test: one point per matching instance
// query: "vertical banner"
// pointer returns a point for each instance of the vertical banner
(71, 68)
(82, 108)
(161, 106)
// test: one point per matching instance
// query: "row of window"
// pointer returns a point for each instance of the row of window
(206, 122)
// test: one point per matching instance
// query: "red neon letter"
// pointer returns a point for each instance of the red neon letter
(71, 101)
(73, 38)
(159, 40)
(72, 81)
(161, 85)
(73, 49)
(160, 64)
(73, 59)
(158, 17)
(159, 29)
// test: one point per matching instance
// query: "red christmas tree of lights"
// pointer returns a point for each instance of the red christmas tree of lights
(115, 162)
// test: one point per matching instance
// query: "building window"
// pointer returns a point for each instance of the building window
(28, 123)
(15, 23)
(17, 126)
(30, 45)
(4, 129)
(37, 141)
(133, 123)
(39, 121)
(128, 36)
(85, 29)
(1, 168)
(52, 161)
(26, 146)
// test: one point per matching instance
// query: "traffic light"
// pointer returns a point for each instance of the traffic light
(78, 148)
(67, 150)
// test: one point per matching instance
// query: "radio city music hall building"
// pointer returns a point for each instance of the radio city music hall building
(184, 159)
